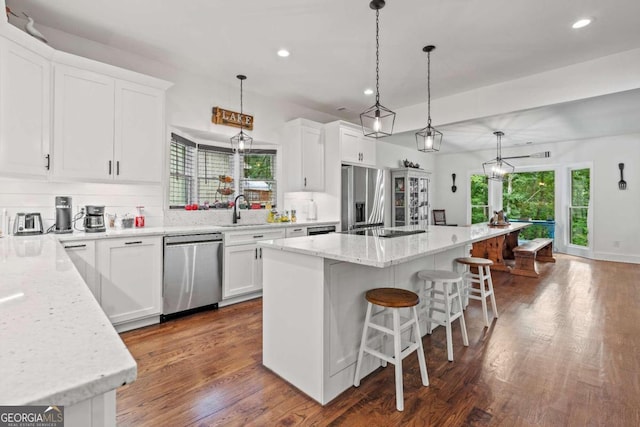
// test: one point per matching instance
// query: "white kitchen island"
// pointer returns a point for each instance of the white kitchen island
(313, 296)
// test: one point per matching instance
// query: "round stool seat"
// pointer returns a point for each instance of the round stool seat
(474, 261)
(392, 297)
(439, 275)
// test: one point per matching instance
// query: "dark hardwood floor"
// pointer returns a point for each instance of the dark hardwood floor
(565, 351)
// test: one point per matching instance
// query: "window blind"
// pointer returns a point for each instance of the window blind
(214, 165)
(181, 171)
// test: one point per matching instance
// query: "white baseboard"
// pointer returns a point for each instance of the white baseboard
(608, 256)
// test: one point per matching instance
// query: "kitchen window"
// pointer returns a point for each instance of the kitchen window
(215, 174)
(479, 199)
(201, 173)
(258, 183)
(579, 208)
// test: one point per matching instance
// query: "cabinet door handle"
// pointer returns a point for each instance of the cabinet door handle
(109, 167)
(75, 246)
(305, 181)
(48, 157)
(258, 236)
(260, 253)
(137, 242)
(255, 256)
(118, 167)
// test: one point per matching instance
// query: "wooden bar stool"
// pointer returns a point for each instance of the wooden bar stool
(393, 299)
(485, 284)
(443, 288)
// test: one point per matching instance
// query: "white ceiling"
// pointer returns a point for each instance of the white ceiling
(332, 44)
(607, 115)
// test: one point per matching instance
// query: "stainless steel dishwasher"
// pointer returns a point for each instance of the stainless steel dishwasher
(192, 278)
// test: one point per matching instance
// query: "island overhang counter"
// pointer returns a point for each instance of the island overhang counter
(313, 296)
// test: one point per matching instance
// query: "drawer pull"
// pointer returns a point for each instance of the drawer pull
(258, 236)
(75, 246)
(297, 229)
(137, 242)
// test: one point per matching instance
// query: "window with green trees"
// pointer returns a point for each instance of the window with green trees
(579, 209)
(479, 199)
(530, 195)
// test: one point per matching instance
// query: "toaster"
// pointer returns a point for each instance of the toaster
(27, 224)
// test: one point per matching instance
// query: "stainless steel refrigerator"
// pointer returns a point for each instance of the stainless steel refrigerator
(362, 197)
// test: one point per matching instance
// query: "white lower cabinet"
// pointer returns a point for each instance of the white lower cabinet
(83, 255)
(242, 271)
(131, 280)
(241, 275)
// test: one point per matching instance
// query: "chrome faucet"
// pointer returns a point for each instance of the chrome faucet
(236, 214)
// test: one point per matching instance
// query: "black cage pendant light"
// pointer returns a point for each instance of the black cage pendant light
(429, 138)
(377, 121)
(241, 142)
(498, 168)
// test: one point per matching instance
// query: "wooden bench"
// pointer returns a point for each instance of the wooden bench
(527, 254)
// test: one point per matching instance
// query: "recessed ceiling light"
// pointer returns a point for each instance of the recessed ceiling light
(368, 91)
(581, 23)
(283, 53)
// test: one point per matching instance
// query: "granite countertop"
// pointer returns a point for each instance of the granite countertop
(58, 346)
(386, 251)
(186, 229)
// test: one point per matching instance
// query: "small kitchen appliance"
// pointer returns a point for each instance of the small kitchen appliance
(94, 219)
(27, 224)
(63, 215)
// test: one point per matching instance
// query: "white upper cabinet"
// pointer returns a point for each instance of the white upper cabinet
(354, 147)
(357, 148)
(304, 156)
(106, 128)
(139, 119)
(25, 111)
(83, 124)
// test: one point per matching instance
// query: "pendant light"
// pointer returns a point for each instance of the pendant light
(429, 138)
(377, 121)
(241, 142)
(497, 168)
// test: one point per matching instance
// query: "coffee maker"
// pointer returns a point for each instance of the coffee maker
(63, 215)
(94, 219)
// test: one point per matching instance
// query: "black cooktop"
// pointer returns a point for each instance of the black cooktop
(383, 232)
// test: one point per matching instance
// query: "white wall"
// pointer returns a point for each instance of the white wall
(616, 224)
(29, 195)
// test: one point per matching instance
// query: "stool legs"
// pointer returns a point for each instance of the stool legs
(363, 341)
(398, 353)
(493, 295)
(463, 324)
(484, 290)
(450, 292)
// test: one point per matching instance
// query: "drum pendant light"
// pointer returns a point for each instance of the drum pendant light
(241, 142)
(377, 121)
(429, 138)
(496, 169)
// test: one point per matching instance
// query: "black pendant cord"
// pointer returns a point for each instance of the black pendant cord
(378, 57)
(241, 120)
(428, 89)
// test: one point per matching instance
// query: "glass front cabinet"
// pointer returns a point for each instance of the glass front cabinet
(410, 197)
